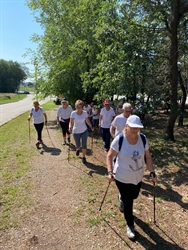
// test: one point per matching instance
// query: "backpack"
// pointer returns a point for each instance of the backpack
(143, 137)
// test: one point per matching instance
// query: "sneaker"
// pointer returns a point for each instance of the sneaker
(68, 139)
(84, 160)
(64, 143)
(37, 145)
(130, 232)
(77, 152)
(106, 149)
(121, 205)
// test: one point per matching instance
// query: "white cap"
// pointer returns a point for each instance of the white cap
(134, 121)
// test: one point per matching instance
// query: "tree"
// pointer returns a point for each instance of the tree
(101, 48)
(169, 14)
(68, 46)
(11, 74)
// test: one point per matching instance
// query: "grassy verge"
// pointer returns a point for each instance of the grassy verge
(15, 154)
(10, 97)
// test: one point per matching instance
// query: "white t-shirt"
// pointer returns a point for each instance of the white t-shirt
(95, 114)
(88, 108)
(107, 116)
(129, 165)
(64, 113)
(119, 123)
(38, 116)
(79, 122)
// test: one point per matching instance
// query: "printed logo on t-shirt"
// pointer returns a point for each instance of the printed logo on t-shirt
(135, 158)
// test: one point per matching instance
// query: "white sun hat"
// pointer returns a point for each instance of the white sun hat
(133, 121)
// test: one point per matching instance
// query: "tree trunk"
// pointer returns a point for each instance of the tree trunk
(183, 100)
(173, 69)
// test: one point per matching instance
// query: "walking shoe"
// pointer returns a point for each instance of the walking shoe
(84, 160)
(77, 152)
(68, 139)
(37, 145)
(121, 205)
(106, 149)
(130, 232)
(64, 143)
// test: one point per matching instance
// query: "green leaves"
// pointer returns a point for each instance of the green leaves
(11, 73)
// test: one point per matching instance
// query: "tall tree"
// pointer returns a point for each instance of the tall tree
(68, 46)
(169, 14)
(11, 73)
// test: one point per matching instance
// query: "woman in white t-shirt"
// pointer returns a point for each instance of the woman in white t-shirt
(38, 115)
(77, 126)
(107, 115)
(128, 169)
(63, 119)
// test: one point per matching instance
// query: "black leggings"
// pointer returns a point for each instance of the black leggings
(65, 128)
(128, 192)
(39, 128)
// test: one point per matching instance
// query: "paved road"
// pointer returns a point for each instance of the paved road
(11, 110)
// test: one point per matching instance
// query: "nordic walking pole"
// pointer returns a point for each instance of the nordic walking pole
(154, 202)
(104, 196)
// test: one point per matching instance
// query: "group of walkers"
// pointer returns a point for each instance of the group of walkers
(126, 155)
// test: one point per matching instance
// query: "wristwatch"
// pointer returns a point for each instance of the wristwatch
(152, 174)
(110, 173)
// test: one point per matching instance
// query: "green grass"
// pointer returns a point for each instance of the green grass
(49, 105)
(30, 89)
(15, 154)
(10, 97)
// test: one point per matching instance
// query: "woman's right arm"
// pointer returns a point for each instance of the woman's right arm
(109, 162)
(58, 115)
(71, 124)
(29, 117)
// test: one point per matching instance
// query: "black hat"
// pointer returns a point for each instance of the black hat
(64, 100)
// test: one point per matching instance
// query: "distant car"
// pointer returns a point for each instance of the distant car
(26, 92)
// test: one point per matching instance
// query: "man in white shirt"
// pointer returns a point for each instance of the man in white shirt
(119, 122)
(107, 115)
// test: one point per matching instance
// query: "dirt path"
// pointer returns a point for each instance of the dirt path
(56, 220)
(56, 196)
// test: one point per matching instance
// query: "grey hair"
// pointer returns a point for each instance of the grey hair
(126, 105)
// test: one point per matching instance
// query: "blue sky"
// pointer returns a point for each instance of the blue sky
(17, 24)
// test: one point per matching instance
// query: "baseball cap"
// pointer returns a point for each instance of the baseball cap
(106, 102)
(64, 100)
(134, 122)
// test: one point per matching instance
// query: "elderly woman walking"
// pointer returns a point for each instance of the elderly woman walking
(77, 126)
(128, 169)
(63, 119)
(39, 117)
